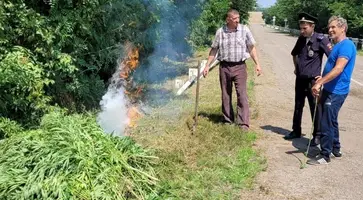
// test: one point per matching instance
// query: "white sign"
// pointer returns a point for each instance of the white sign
(193, 72)
(178, 83)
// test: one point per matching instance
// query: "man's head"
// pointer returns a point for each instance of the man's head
(306, 29)
(307, 24)
(338, 27)
(232, 18)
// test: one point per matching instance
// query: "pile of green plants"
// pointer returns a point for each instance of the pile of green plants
(69, 157)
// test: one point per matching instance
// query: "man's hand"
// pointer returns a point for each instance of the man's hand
(317, 78)
(258, 70)
(315, 90)
(206, 70)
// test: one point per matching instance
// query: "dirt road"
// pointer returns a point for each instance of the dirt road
(283, 179)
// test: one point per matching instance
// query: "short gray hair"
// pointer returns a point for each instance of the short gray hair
(232, 12)
(341, 22)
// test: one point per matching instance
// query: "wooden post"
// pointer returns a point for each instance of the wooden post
(196, 101)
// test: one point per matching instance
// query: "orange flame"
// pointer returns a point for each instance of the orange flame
(130, 63)
(133, 114)
(127, 66)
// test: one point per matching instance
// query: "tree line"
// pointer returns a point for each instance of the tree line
(322, 9)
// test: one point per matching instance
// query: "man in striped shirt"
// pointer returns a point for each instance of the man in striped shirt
(235, 44)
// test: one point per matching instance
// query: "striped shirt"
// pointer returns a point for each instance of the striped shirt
(233, 45)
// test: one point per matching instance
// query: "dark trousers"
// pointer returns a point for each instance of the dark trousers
(229, 74)
(302, 90)
(331, 104)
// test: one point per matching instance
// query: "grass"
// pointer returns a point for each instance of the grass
(69, 157)
(216, 162)
(360, 52)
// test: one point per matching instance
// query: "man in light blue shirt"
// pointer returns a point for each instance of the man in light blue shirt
(336, 80)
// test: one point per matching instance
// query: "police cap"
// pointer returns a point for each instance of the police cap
(305, 17)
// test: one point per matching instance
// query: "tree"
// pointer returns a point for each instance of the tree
(323, 9)
(352, 11)
(213, 17)
(243, 7)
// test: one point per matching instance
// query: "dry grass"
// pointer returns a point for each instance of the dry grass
(215, 162)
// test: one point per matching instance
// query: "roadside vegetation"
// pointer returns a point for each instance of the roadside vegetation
(56, 60)
(218, 161)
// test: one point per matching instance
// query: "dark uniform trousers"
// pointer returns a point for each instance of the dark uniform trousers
(302, 90)
(229, 73)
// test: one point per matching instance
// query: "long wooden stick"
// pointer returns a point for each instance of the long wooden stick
(196, 100)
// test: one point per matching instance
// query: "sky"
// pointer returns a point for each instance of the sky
(266, 3)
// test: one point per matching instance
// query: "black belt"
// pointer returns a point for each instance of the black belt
(233, 63)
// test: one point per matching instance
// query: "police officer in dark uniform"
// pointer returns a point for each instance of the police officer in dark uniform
(307, 57)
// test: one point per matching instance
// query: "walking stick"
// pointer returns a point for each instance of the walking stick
(303, 165)
(196, 101)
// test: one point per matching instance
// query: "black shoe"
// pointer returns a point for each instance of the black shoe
(315, 141)
(292, 135)
(319, 160)
(336, 154)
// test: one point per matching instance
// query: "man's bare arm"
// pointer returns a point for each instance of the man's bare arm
(253, 53)
(336, 71)
(212, 55)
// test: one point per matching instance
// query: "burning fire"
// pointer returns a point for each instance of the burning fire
(133, 114)
(130, 63)
(127, 66)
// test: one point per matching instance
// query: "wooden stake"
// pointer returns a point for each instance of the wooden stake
(196, 101)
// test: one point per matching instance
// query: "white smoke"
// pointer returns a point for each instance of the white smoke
(113, 117)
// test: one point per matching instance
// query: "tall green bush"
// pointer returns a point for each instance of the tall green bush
(213, 16)
(22, 83)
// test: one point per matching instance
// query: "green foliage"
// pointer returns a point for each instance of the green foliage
(213, 17)
(243, 7)
(352, 11)
(9, 128)
(323, 9)
(69, 157)
(75, 45)
(63, 52)
(22, 83)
